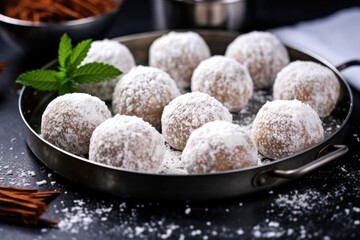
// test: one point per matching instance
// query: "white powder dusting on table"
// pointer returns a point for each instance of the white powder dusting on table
(43, 182)
(78, 217)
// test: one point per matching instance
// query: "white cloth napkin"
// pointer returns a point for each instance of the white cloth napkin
(336, 38)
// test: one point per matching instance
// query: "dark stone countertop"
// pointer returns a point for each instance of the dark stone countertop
(322, 205)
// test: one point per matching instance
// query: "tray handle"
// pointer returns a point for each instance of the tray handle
(348, 64)
(270, 176)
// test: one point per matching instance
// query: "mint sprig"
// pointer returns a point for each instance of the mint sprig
(69, 73)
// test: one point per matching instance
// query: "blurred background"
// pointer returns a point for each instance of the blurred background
(136, 16)
(250, 14)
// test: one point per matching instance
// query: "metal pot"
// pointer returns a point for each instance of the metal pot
(205, 14)
(131, 184)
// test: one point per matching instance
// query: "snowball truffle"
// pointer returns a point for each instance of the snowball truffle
(127, 142)
(285, 127)
(263, 55)
(109, 52)
(144, 92)
(219, 146)
(69, 120)
(225, 79)
(178, 53)
(188, 112)
(310, 83)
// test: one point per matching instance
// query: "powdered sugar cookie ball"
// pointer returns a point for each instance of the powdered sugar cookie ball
(310, 83)
(109, 52)
(127, 142)
(144, 92)
(69, 120)
(178, 53)
(219, 146)
(188, 112)
(225, 79)
(285, 127)
(263, 55)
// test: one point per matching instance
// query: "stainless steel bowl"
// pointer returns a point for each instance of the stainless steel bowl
(46, 35)
(205, 14)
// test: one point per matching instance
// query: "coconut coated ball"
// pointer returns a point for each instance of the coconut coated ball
(144, 92)
(127, 142)
(110, 52)
(219, 146)
(188, 112)
(263, 55)
(225, 79)
(69, 120)
(178, 53)
(310, 83)
(285, 127)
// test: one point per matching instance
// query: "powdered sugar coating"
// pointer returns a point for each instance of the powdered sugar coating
(219, 146)
(144, 92)
(111, 52)
(188, 112)
(225, 79)
(262, 53)
(310, 83)
(178, 53)
(172, 163)
(285, 127)
(69, 120)
(127, 142)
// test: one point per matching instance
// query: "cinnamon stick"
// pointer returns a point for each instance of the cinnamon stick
(17, 189)
(60, 10)
(23, 205)
(2, 67)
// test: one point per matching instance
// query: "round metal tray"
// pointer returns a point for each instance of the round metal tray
(130, 184)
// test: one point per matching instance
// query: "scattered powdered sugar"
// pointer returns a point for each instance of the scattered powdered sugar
(19, 172)
(78, 217)
(263, 55)
(303, 209)
(42, 182)
(225, 79)
(81, 217)
(172, 163)
(178, 53)
(310, 83)
(299, 202)
(246, 115)
(240, 231)
(188, 112)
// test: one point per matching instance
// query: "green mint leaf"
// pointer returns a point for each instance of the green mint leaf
(67, 87)
(95, 72)
(70, 72)
(43, 80)
(78, 54)
(65, 49)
